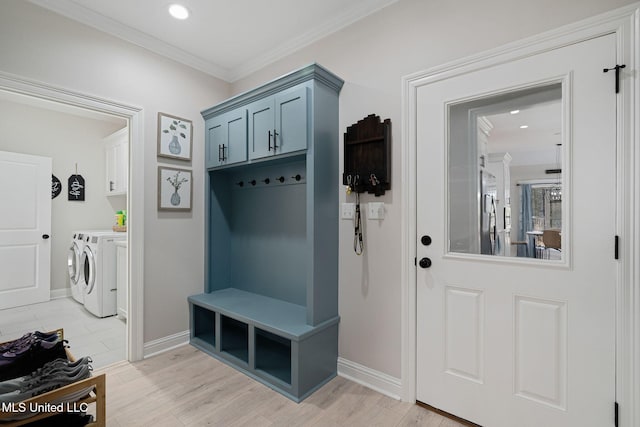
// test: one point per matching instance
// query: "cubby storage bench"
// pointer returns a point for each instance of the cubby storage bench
(270, 307)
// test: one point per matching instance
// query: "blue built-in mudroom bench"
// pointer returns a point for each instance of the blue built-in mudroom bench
(270, 307)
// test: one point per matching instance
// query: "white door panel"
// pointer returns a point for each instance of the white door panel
(25, 217)
(505, 341)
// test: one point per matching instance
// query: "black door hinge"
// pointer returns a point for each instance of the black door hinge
(615, 416)
(617, 69)
(616, 250)
(415, 262)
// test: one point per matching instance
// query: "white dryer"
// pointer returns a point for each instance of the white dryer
(74, 265)
(99, 272)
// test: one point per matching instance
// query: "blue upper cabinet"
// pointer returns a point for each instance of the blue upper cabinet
(278, 124)
(226, 139)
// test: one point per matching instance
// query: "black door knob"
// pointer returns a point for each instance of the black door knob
(45, 236)
(425, 263)
(426, 240)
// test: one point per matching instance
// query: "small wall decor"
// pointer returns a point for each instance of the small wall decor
(367, 156)
(174, 137)
(76, 187)
(56, 187)
(174, 189)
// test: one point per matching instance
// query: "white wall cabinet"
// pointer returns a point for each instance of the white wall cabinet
(116, 148)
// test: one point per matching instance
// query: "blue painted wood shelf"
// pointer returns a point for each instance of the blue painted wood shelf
(266, 338)
(270, 307)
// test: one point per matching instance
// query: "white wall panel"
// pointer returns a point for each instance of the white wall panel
(541, 351)
(464, 333)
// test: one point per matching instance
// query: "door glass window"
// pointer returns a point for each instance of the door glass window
(505, 174)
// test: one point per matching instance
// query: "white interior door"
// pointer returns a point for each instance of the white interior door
(519, 341)
(25, 226)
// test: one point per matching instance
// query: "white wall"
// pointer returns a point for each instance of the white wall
(67, 140)
(40, 45)
(372, 56)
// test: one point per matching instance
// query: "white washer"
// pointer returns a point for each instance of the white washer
(74, 265)
(99, 272)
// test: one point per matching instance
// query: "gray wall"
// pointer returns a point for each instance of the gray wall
(67, 139)
(40, 45)
(372, 56)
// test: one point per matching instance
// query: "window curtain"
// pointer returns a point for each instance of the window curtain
(526, 222)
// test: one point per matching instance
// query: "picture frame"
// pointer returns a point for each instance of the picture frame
(175, 137)
(175, 189)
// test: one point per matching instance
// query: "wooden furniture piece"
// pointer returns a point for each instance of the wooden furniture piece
(367, 155)
(97, 395)
(270, 307)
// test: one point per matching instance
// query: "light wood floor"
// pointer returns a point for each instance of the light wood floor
(185, 387)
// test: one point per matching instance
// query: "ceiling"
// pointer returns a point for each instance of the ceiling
(535, 145)
(228, 39)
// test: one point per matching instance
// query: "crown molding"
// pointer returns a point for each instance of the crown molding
(77, 12)
(72, 10)
(347, 18)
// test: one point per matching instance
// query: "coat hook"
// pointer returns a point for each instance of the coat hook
(241, 183)
(252, 182)
(297, 177)
(281, 179)
(266, 180)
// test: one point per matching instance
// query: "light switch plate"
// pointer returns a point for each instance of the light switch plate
(375, 210)
(348, 210)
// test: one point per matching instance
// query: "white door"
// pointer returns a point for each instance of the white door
(519, 341)
(25, 228)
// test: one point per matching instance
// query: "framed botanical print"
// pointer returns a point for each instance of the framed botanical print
(175, 139)
(175, 189)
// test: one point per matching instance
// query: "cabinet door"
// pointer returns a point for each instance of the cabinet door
(261, 128)
(236, 122)
(226, 139)
(291, 121)
(215, 138)
(117, 164)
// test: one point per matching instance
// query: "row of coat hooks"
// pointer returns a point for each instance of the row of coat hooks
(266, 181)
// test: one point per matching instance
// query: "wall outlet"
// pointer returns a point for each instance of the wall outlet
(375, 210)
(348, 210)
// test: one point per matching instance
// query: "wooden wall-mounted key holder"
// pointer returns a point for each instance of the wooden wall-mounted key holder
(367, 156)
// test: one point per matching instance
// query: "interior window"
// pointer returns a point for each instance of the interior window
(505, 169)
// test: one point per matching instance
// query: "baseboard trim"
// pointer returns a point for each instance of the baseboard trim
(59, 293)
(375, 380)
(155, 347)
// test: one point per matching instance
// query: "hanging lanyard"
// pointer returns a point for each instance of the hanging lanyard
(358, 243)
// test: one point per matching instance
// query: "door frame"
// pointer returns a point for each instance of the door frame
(625, 23)
(135, 200)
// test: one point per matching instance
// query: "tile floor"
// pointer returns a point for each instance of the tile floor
(102, 339)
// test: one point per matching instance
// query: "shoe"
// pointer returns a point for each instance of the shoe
(46, 383)
(24, 345)
(29, 337)
(58, 365)
(21, 362)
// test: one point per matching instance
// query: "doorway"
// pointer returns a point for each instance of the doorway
(461, 350)
(134, 204)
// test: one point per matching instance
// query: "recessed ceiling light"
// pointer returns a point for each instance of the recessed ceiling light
(178, 11)
(514, 111)
(524, 126)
